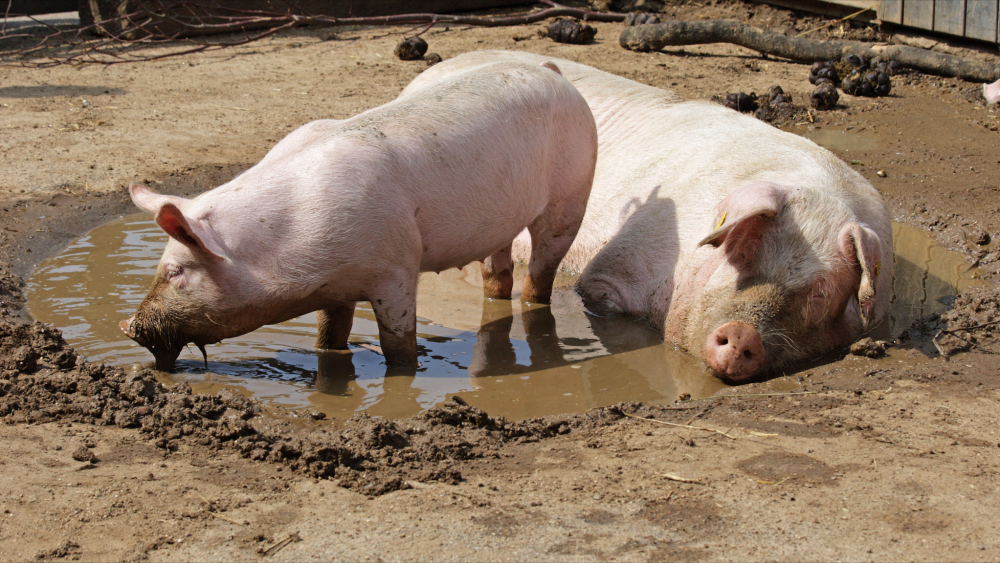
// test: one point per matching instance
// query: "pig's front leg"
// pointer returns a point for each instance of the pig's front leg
(395, 305)
(334, 326)
(498, 274)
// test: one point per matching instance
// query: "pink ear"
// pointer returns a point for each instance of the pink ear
(861, 247)
(744, 216)
(171, 220)
(148, 200)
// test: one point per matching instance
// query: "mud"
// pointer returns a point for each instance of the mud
(868, 459)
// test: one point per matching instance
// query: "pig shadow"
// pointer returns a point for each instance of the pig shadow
(51, 91)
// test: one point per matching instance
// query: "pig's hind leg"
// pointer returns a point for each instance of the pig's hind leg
(394, 301)
(552, 235)
(334, 326)
(498, 274)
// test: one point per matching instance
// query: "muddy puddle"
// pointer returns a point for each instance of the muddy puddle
(506, 358)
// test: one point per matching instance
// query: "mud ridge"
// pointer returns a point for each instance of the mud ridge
(43, 380)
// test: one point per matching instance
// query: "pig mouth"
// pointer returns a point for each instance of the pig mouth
(164, 349)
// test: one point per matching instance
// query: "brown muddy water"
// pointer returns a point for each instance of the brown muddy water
(506, 358)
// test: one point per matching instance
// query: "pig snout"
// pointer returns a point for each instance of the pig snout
(165, 354)
(735, 351)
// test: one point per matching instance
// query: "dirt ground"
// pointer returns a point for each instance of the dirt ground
(887, 459)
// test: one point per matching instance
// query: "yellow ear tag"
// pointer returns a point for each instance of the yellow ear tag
(878, 266)
(721, 220)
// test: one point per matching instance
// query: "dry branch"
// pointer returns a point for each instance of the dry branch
(654, 37)
(184, 25)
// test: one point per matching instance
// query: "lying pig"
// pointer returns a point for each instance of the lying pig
(750, 247)
(354, 210)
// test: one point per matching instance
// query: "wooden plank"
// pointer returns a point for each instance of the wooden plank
(919, 13)
(981, 19)
(891, 11)
(949, 16)
(36, 7)
(834, 8)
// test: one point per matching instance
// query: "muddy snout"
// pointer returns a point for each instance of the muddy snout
(735, 351)
(165, 356)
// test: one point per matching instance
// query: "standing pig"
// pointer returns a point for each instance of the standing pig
(354, 210)
(751, 247)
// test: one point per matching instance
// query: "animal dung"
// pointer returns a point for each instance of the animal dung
(640, 18)
(432, 59)
(824, 97)
(411, 49)
(569, 31)
(743, 103)
(775, 105)
(856, 75)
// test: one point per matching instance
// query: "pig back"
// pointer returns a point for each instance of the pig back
(471, 160)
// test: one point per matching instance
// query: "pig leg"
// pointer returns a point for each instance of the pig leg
(334, 326)
(395, 303)
(552, 234)
(498, 274)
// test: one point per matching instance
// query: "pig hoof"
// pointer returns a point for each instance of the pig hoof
(735, 351)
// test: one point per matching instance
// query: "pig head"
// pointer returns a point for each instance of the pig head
(785, 275)
(196, 289)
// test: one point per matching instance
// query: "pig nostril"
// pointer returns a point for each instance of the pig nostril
(748, 354)
(723, 341)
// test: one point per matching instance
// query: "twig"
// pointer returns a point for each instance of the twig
(294, 536)
(226, 518)
(673, 477)
(679, 425)
(938, 346)
(833, 22)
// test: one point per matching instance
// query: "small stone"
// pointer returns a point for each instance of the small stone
(316, 415)
(84, 454)
(882, 174)
(597, 496)
(869, 347)
(432, 59)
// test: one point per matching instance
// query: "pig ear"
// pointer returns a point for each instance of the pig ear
(744, 216)
(192, 234)
(862, 248)
(150, 201)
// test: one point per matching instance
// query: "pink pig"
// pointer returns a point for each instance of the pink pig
(353, 210)
(752, 248)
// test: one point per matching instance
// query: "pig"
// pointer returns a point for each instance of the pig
(752, 248)
(992, 92)
(351, 210)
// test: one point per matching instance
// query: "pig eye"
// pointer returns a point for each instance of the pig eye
(173, 273)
